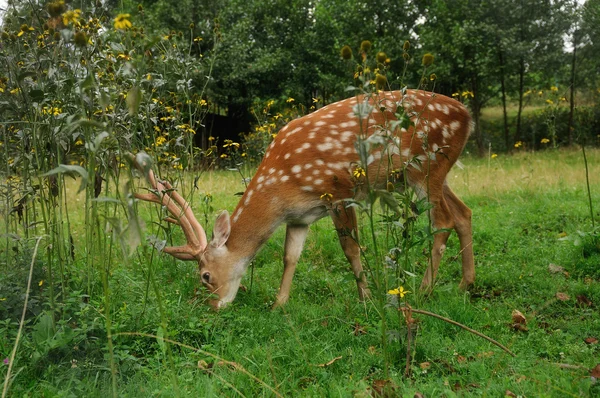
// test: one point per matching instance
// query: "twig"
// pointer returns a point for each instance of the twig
(234, 365)
(14, 351)
(468, 329)
(569, 366)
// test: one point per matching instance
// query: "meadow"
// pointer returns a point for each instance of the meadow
(535, 252)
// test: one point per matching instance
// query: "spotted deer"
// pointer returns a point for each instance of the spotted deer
(310, 169)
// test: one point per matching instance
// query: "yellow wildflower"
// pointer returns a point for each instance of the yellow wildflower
(545, 140)
(326, 197)
(122, 22)
(494, 155)
(399, 292)
(72, 17)
(359, 172)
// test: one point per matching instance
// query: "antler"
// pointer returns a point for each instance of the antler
(182, 215)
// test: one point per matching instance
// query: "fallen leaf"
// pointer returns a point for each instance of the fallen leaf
(382, 388)
(583, 301)
(563, 296)
(425, 365)
(322, 365)
(418, 395)
(359, 329)
(591, 340)
(486, 354)
(595, 372)
(509, 393)
(518, 317)
(521, 379)
(372, 349)
(461, 359)
(555, 269)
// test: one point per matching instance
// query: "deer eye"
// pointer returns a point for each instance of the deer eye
(206, 277)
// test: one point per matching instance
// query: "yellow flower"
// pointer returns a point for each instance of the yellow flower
(554, 88)
(518, 144)
(399, 291)
(466, 94)
(160, 140)
(41, 283)
(72, 17)
(494, 155)
(549, 102)
(359, 172)
(326, 197)
(202, 102)
(315, 100)
(122, 22)
(289, 100)
(545, 140)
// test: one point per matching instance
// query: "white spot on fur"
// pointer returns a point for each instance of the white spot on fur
(248, 196)
(318, 182)
(237, 213)
(307, 188)
(284, 178)
(351, 123)
(296, 169)
(454, 125)
(320, 123)
(325, 147)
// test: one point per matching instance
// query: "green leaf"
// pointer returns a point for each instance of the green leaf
(72, 171)
(134, 98)
(88, 82)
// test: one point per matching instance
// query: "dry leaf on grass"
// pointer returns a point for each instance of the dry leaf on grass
(383, 388)
(563, 296)
(519, 322)
(509, 393)
(583, 301)
(425, 365)
(555, 269)
(595, 373)
(591, 340)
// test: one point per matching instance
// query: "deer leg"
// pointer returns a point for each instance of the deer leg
(442, 219)
(462, 225)
(344, 219)
(294, 242)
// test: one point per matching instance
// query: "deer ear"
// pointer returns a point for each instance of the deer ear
(221, 230)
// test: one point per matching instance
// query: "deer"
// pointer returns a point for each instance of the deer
(309, 171)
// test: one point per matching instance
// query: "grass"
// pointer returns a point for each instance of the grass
(326, 343)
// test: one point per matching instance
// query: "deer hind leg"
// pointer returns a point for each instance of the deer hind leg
(462, 225)
(344, 219)
(442, 219)
(294, 242)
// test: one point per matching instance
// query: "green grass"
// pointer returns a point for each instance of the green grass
(522, 205)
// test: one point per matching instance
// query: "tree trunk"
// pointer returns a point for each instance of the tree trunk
(521, 83)
(476, 109)
(570, 126)
(503, 86)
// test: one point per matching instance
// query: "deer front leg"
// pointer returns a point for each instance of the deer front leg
(442, 219)
(344, 220)
(294, 242)
(462, 225)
